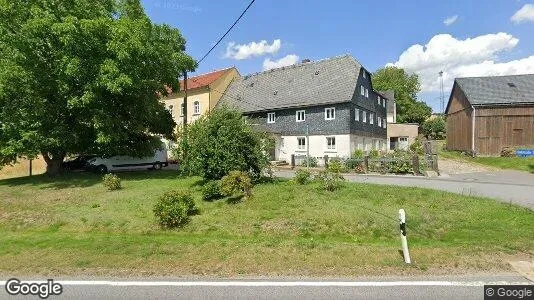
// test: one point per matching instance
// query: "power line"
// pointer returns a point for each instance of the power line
(228, 31)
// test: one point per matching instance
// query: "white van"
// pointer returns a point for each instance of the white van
(117, 163)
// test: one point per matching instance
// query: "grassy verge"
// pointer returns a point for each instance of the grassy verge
(72, 225)
(512, 163)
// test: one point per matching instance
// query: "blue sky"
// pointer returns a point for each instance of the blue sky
(485, 38)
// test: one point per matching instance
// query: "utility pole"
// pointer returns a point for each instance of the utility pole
(441, 95)
(307, 147)
(184, 129)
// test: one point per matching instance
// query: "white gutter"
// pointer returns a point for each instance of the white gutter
(473, 116)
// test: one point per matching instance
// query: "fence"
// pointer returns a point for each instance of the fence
(395, 163)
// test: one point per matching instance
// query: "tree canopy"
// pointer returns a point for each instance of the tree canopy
(82, 76)
(435, 128)
(406, 87)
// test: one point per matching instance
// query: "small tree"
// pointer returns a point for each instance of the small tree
(223, 141)
(435, 128)
(237, 182)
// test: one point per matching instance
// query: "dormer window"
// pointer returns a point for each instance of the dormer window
(300, 116)
(271, 117)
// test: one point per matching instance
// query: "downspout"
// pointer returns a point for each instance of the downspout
(473, 116)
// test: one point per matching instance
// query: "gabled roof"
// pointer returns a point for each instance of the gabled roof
(203, 80)
(390, 96)
(325, 81)
(498, 90)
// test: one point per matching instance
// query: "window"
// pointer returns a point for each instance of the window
(364, 74)
(379, 121)
(181, 109)
(331, 143)
(330, 113)
(170, 109)
(301, 142)
(271, 117)
(384, 123)
(364, 117)
(362, 90)
(378, 100)
(301, 115)
(366, 93)
(403, 139)
(371, 118)
(383, 102)
(357, 114)
(196, 108)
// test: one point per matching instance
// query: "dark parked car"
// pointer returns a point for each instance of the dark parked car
(77, 163)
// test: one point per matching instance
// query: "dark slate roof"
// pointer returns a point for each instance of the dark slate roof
(325, 81)
(495, 90)
(390, 96)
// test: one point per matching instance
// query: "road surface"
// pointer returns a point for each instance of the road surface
(387, 288)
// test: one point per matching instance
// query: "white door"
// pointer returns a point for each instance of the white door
(403, 143)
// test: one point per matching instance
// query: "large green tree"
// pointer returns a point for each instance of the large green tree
(223, 141)
(82, 76)
(406, 87)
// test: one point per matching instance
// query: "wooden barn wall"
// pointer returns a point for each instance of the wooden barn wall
(500, 127)
(459, 122)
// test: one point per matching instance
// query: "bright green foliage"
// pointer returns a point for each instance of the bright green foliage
(417, 147)
(312, 162)
(237, 183)
(174, 209)
(329, 180)
(302, 176)
(374, 153)
(111, 182)
(335, 165)
(223, 141)
(435, 128)
(358, 153)
(406, 87)
(212, 190)
(82, 76)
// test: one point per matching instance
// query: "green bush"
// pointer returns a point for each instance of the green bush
(302, 176)
(352, 163)
(434, 129)
(223, 141)
(329, 180)
(212, 190)
(335, 165)
(111, 182)
(313, 162)
(374, 153)
(237, 182)
(417, 147)
(358, 153)
(174, 208)
(401, 162)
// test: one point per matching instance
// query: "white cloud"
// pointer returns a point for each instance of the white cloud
(251, 49)
(478, 56)
(450, 20)
(288, 60)
(525, 14)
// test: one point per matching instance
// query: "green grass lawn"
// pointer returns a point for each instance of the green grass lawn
(512, 163)
(72, 225)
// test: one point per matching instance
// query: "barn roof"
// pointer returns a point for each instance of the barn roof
(498, 90)
(320, 82)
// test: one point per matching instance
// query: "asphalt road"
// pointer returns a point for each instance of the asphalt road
(506, 186)
(386, 288)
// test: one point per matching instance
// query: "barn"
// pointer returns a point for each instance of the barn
(487, 114)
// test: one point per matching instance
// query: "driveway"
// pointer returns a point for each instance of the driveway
(506, 186)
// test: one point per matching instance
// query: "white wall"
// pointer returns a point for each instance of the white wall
(345, 146)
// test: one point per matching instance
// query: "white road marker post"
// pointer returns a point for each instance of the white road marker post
(402, 219)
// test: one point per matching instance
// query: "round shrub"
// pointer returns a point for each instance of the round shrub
(111, 182)
(174, 209)
(212, 190)
(302, 176)
(237, 182)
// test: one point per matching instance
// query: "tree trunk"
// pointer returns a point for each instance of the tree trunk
(53, 163)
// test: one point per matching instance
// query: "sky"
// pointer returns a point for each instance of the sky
(461, 38)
